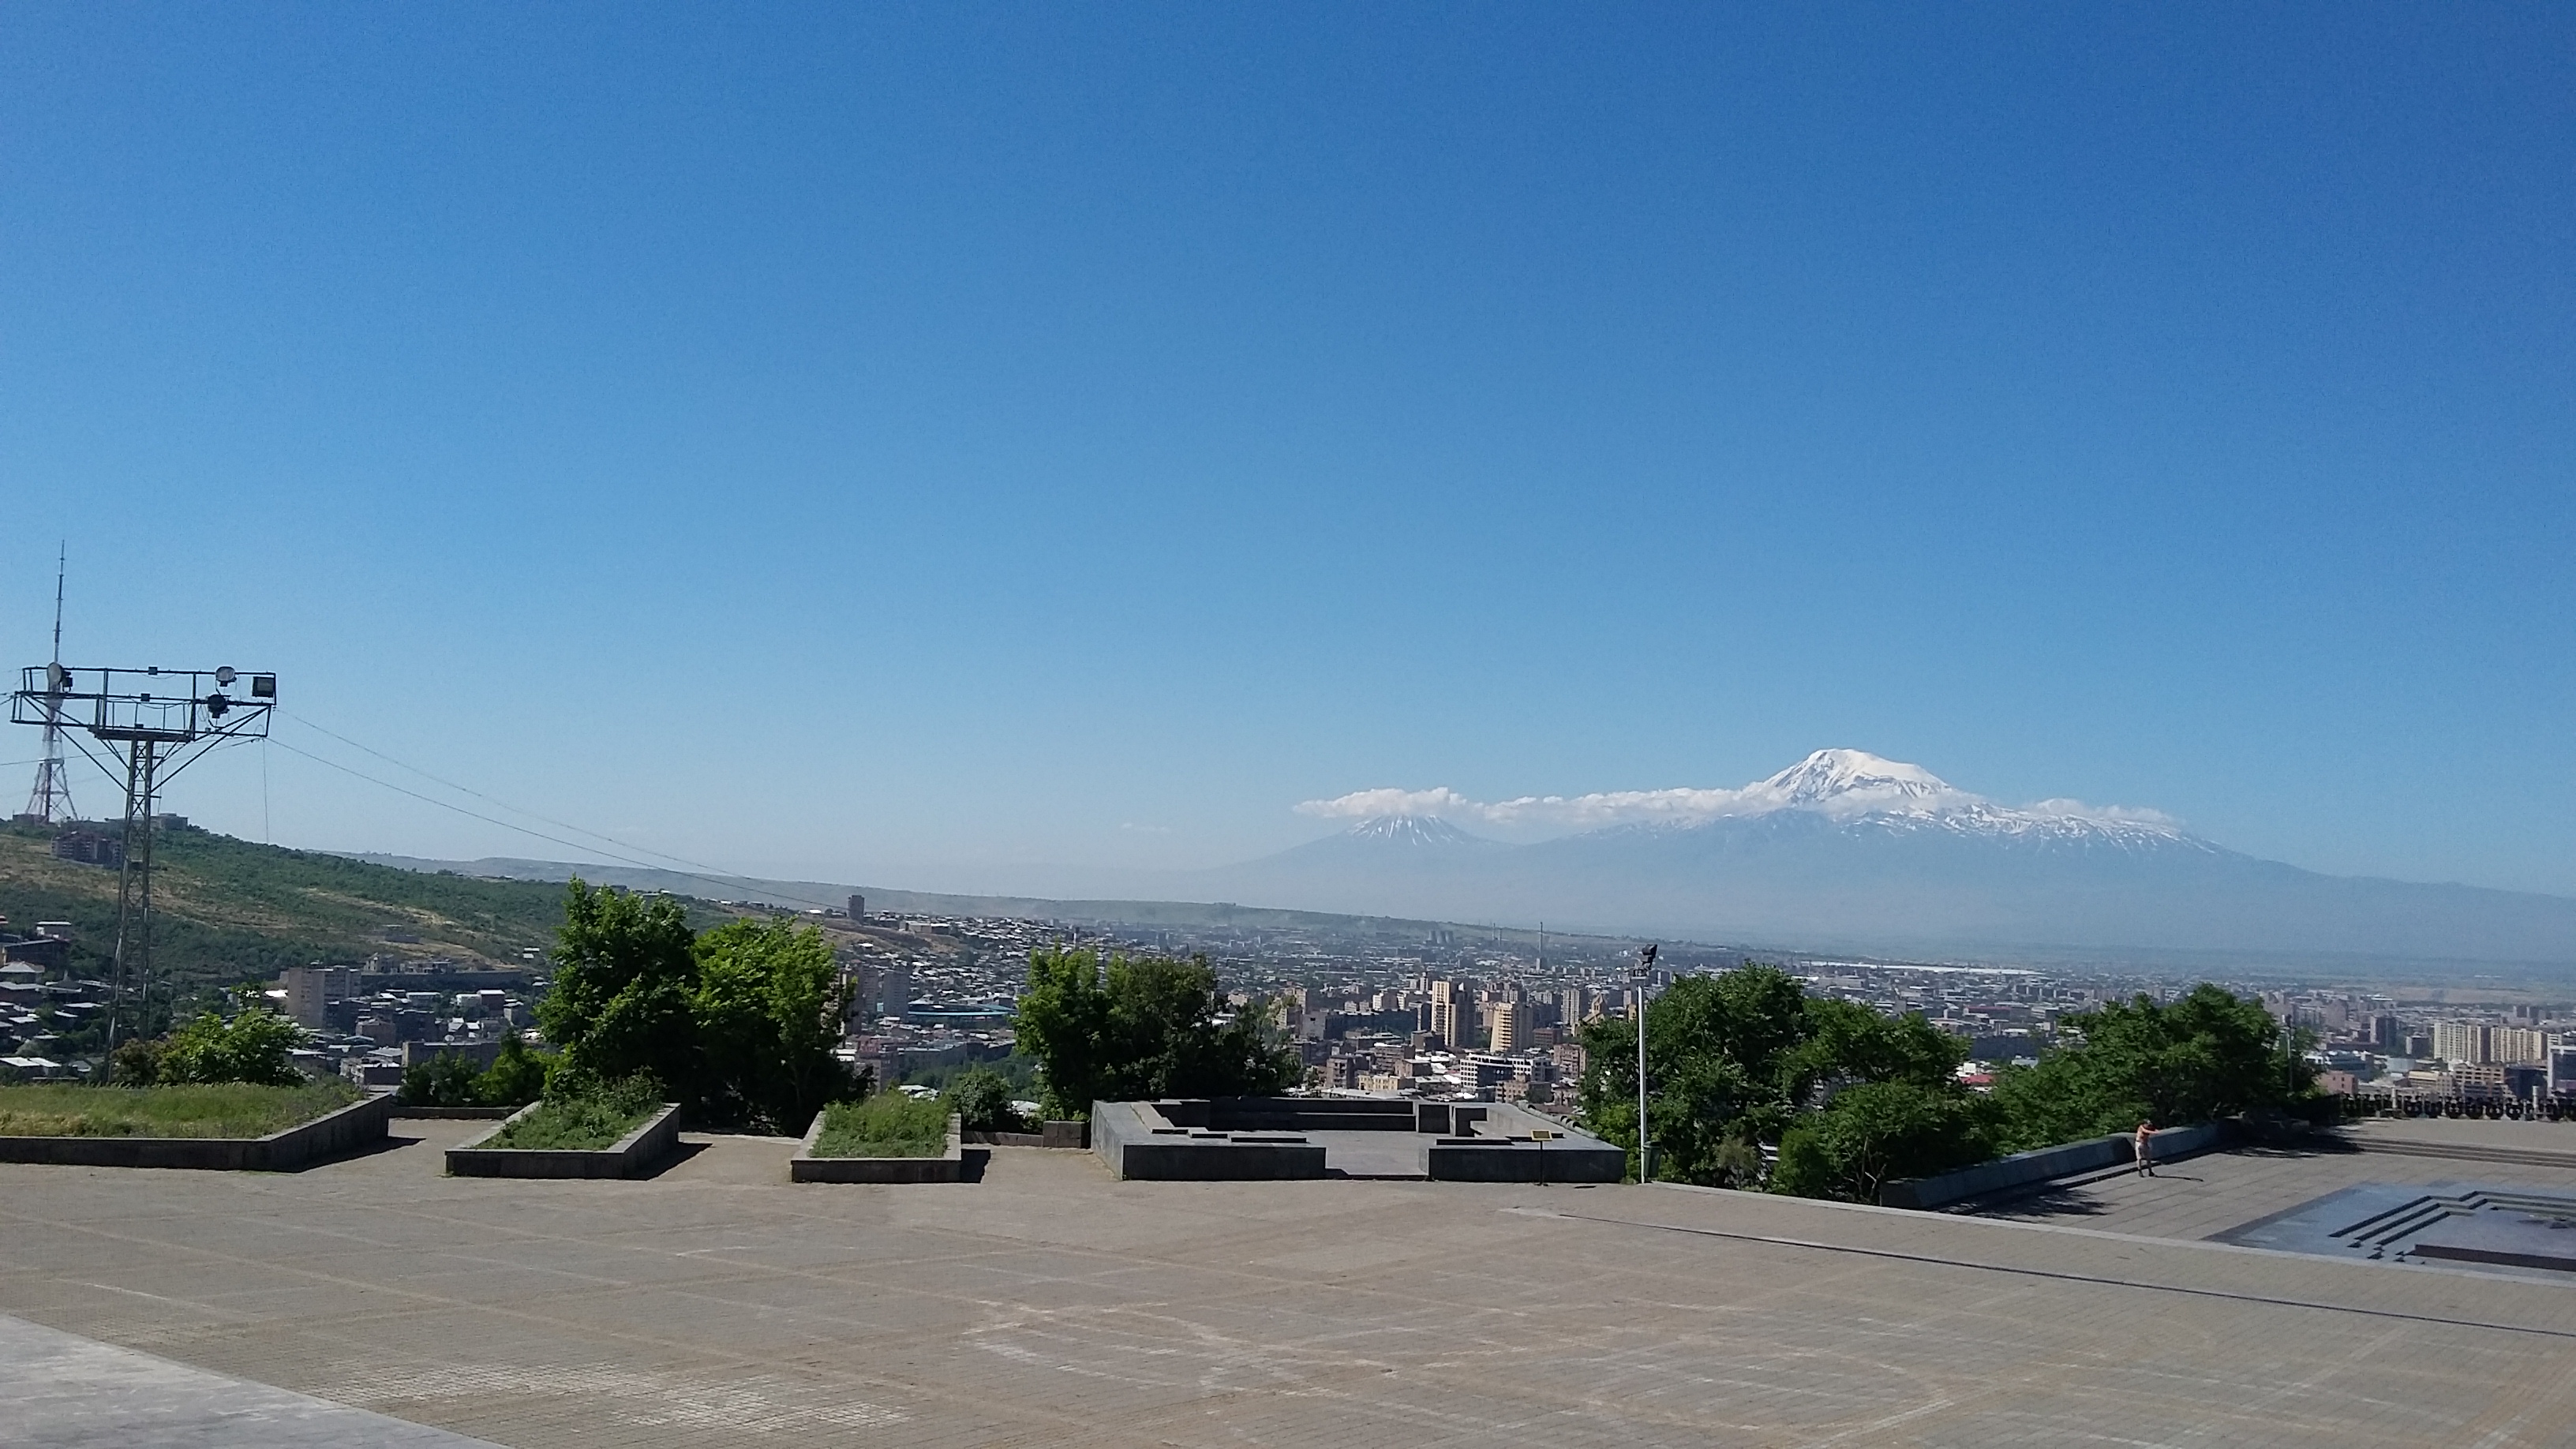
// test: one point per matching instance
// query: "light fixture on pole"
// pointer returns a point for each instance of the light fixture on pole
(1645, 1149)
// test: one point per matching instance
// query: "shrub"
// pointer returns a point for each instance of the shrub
(445, 1080)
(252, 1047)
(981, 1098)
(516, 1077)
(582, 1113)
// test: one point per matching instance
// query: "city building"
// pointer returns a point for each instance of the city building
(311, 992)
(1506, 1037)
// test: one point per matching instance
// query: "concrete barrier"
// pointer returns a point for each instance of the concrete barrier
(286, 1151)
(630, 1156)
(2027, 1169)
(1137, 1141)
(455, 1114)
(949, 1166)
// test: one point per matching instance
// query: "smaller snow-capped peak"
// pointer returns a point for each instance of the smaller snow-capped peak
(1420, 830)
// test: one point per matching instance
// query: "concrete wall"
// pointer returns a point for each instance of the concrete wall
(630, 1156)
(1497, 1145)
(2025, 1169)
(1137, 1141)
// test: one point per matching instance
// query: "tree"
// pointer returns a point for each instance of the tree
(516, 1077)
(1134, 1029)
(251, 1047)
(1873, 1133)
(1722, 1073)
(2206, 1054)
(445, 1080)
(737, 1024)
(768, 1005)
(624, 965)
(981, 1098)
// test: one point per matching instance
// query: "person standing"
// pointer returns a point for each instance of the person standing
(2146, 1149)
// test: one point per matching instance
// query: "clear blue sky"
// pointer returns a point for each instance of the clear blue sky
(906, 441)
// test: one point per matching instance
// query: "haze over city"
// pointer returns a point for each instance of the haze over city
(946, 448)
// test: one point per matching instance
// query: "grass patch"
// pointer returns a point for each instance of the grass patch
(225, 1109)
(888, 1124)
(588, 1121)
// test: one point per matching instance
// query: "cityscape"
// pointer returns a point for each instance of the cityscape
(1228, 727)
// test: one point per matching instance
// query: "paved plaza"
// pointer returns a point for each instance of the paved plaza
(1048, 1304)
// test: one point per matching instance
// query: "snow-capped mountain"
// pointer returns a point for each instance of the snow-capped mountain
(1854, 786)
(1428, 832)
(1846, 850)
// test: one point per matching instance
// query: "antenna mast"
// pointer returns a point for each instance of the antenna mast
(50, 803)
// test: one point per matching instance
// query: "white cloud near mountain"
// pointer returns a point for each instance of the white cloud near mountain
(1839, 783)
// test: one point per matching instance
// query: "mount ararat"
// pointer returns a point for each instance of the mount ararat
(1847, 851)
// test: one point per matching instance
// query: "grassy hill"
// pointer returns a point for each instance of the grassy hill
(227, 910)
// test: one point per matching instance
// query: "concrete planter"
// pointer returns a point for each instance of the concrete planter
(286, 1151)
(949, 1166)
(1074, 1135)
(631, 1156)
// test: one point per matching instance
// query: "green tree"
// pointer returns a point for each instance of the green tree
(1874, 1133)
(624, 967)
(981, 1098)
(516, 1077)
(445, 1080)
(768, 1004)
(2204, 1055)
(1137, 1028)
(1718, 1050)
(251, 1047)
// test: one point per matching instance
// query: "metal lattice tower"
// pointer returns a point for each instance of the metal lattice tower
(161, 721)
(50, 803)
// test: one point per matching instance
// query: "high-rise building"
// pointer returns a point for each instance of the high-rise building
(2387, 1033)
(311, 992)
(2517, 1046)
(858, 908)
(1507, 1027)
(2463, 1042)
(1453, 1013)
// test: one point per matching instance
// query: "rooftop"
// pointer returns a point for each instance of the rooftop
(718, 1305)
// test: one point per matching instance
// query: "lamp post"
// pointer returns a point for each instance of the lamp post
(1645, 1151)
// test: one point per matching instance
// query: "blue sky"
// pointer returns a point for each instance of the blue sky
(915, 442)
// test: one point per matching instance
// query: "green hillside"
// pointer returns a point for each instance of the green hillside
(227, 910)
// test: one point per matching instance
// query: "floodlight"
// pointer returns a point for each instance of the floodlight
(58, 680)
(263, 686)
(225, 676)
(216, 704)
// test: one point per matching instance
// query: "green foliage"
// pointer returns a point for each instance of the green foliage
(1877, 1132)
(251, 1047)
(888, 1124)
(1742, 1058)
(516, 1077)
(981, 1098)
(445, 1080)
(2206, 1054)
(738, 1024)
(136, 1062)
(768, 1006)
(624, 967)
(583, 1113)
(1018, 1071)
(226, 1109)
(1138, 1028)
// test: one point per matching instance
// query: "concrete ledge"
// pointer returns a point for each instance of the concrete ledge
(456, 1114)
(949, 1166)
(2028, 1169)
(1138, 1142)
(629, 1157)
(285, 1151)
(1076, 1135)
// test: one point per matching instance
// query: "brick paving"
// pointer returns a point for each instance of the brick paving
(1047, 1304)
